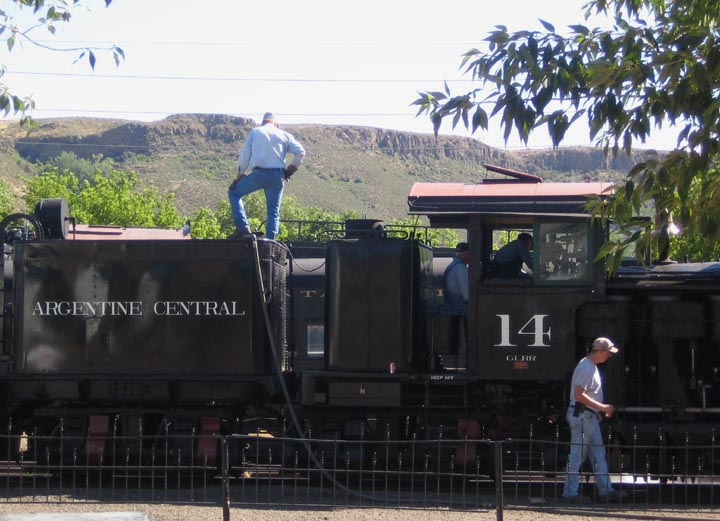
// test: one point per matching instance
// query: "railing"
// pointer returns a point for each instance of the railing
(322, 231)
(259, 470)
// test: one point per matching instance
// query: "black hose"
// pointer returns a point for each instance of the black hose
(283, 387)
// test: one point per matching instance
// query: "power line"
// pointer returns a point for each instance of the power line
(250, 43)
(284, 114)
(221, 78)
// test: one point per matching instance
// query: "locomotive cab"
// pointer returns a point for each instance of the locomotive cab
(526, 331)
(521, 325)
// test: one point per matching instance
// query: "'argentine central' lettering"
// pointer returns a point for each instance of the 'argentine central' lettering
(113, 308)
(205, 308)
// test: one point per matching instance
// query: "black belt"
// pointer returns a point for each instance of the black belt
(580, 408)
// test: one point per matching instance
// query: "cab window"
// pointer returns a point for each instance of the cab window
(561, 253)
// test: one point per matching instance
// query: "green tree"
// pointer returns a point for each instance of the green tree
(298, 222)
(49, 184)
(118, 198)
(310, 223)
(47, 14)
(205, 224)
(436, 237)
(254, 209)
(223, 215)
(694, 249)
(657, 64)
(7, 199)
(218, 223)
(84, 169)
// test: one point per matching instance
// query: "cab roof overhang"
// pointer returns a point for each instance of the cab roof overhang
(452, 203)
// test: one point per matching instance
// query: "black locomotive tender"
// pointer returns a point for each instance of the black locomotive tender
(195, 334)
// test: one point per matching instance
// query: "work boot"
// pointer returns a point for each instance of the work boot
(239, 232)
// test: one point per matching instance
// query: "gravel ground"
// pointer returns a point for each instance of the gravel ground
(270, 504)
(161, 512)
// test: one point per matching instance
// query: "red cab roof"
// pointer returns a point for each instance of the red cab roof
(504, 197)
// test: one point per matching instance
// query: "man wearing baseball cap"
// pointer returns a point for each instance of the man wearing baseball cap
(264, 155)
(583, 416)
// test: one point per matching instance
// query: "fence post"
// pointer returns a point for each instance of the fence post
(499, 502)
(225, 468)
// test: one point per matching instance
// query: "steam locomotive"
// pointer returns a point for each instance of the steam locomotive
(104, 328)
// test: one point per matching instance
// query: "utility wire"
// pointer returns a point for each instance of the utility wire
(223, 78)
(235, 114)
(251, 43)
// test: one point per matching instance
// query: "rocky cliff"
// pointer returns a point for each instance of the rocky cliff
(368, 169)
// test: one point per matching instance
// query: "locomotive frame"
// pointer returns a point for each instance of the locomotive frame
(349, 338)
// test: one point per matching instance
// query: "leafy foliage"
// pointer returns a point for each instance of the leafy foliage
(84, 169)
(120, 198)
(51, 184)
(7, 199)
(205, 224)
(297, 222)
(313, 219)
(435, 237)
(117, 198)
(695, 250)
(658, 65)
(48, 14)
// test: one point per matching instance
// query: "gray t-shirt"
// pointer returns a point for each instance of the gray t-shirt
(587, 376)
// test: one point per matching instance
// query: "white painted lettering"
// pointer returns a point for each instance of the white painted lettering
(504, 331)
(171, 308)
(535, 327)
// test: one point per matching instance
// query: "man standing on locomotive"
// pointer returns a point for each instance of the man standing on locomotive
(264, 154)
(455, 281)
(583, 416)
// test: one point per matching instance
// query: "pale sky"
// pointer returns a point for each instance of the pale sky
(337, 62)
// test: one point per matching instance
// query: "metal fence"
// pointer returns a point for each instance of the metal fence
(260, 470)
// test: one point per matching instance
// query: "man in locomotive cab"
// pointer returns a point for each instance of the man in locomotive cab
(455, 281)
(583, 417)
(509, 259)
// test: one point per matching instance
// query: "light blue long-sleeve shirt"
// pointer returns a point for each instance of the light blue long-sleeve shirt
(266, 147)
(456, 287)
(456, 278)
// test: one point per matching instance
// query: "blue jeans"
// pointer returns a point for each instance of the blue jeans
(586, 439)
(271, 180)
